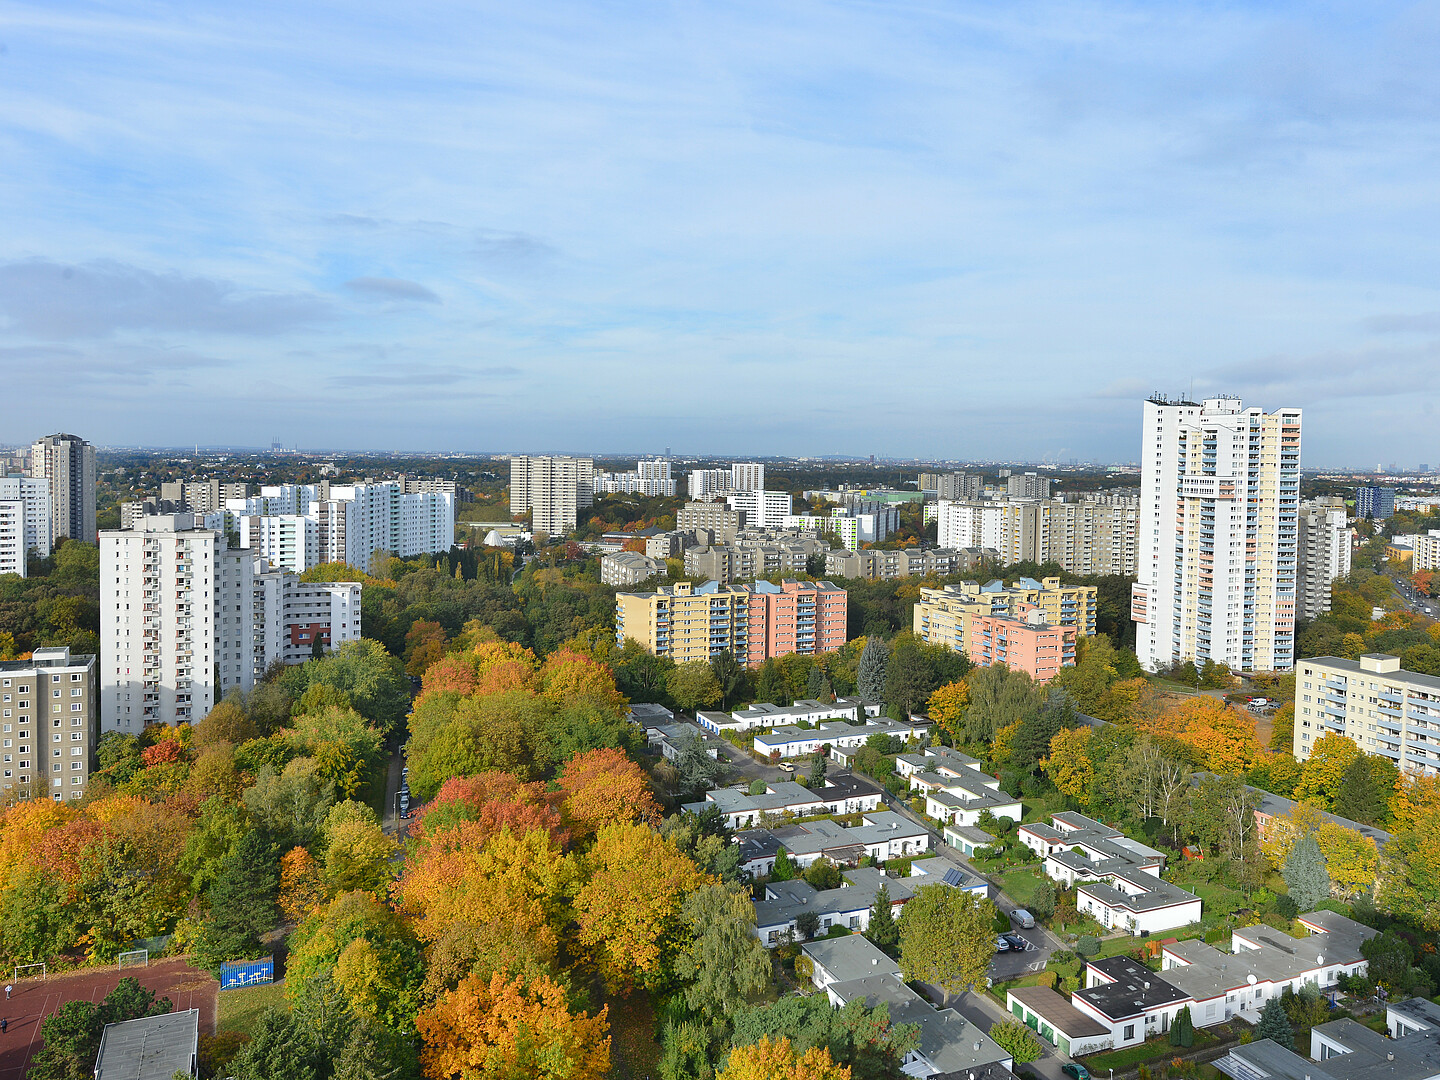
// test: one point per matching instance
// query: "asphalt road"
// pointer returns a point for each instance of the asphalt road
(1415, 600)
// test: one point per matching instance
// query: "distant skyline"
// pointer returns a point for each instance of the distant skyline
(951, 231)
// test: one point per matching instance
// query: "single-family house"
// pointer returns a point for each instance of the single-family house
(1346, 1050)
(848, 906)
(1057, 1021)
(840, 795)
(883, 835)
(790, 742)
(764, 714)
(956, 791)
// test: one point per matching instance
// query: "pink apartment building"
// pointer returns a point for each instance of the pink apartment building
(1023, 642)
(797, 617)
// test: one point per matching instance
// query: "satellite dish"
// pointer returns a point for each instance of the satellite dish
(1320, 959)
(1250, 979)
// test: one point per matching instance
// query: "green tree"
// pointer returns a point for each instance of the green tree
(1042, 902)
(999, 697)
(698, 770)
(374, 680)
(1031, 741)
(733, 678)
(1017, 1040)
(818, 768)
(910, 676)
(242, 904)
(1360, 796)
(724, 963)
(863, 1039)
(815, 683)
(693, 685)
(945, 938)
(784, 869)
(883, 930)
(1275, 1025)
(771, 684)
(874, 661)
(1305, 875)
(280, 1048)
(807, 924)
(1182, 1031)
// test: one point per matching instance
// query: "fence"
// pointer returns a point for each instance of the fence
(239, 973)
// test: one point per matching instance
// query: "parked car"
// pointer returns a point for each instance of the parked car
(404, 804)
(1079, 1072)
(1016, 942)
(1022, 918)
(785, 766)
(1001, 945)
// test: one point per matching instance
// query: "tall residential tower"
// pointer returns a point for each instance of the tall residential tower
(68, 462)
(1219, 508)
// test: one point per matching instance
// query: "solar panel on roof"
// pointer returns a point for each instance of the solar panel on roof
(953, 877)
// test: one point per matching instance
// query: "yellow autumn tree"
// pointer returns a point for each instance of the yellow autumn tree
(501, 1028)
(303, 890)
(1410, 869)
(1324, 769)
(1069, 766)
(1352, 859)
(628, 909)
(775, 1059)
(1001, 749)
(1282, 832)
(947, 707)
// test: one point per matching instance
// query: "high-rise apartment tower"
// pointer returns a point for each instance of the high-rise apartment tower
(68, 462)
(1219, 508)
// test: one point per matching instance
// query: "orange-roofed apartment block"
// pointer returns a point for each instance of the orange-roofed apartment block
(1023, 642)
(796, 617)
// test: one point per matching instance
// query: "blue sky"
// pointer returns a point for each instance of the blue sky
(948, 229)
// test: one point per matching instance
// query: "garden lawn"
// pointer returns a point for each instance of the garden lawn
(1220, 900)
(240, 1008)
(1020, 885)
(1149, 1050)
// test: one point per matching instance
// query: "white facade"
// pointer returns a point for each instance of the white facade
(1323, 555)
(1219, 507)
(650, 478)
(1427, 551)
(553, 490)
(747, 476)
(274, 499)
(1372, 701)
(176, 622)
(382, 517)
(288, 541)
(25, 521)
(969, 524)
(626, 568)
(760, 509)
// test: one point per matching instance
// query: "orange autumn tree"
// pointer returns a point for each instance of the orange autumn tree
(502, 1028)
(453, 673)
(1223, 738)
(508, 891)
(776, 1060)
(947, 708)
(604, 787)
(629, 908)
(302, 885)
(493, 798)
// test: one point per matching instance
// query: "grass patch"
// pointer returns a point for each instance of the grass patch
(1220, 900)
(634, 1051)
(1034, 978)
(1020, 885)
(240, 1008)
(1149, 1050)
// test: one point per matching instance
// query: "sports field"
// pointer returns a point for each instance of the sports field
(34, 999)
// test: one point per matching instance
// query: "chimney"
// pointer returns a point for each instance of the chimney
(875, 960)
(1390, 1056)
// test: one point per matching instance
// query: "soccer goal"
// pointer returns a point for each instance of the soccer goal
(133, 958)
(30, 971)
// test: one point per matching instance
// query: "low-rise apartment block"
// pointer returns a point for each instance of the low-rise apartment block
(48, 709)
(871, 564)
(629, 568)
(945, 616)
(1375, 703)
(1022, 642)
(744, 558)
(751, 622)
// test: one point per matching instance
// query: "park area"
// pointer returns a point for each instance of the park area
(34, 999)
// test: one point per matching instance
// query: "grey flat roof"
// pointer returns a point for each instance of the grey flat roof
(1136, 990)
(1060, 1014)
(1267, 1058)
(849, 958)
(151, 1048)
